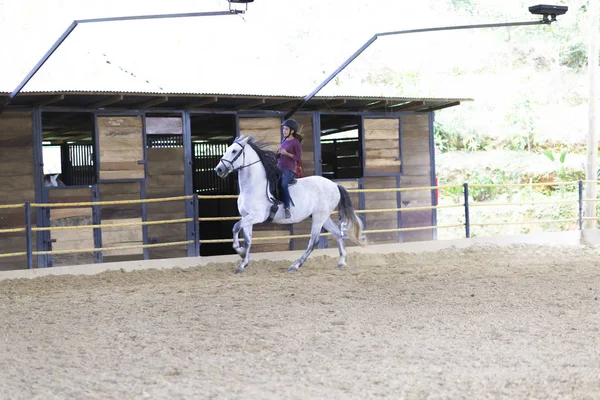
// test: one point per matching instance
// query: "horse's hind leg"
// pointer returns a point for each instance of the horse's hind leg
(315, 231)
(337, 233)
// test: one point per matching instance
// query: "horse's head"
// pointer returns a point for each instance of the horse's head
(232, 159)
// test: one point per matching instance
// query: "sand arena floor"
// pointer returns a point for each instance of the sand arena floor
(480, 323)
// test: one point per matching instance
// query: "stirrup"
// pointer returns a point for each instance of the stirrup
(286, 212)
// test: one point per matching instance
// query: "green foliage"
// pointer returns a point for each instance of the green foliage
(574, 56)
(521, 125)
(467, 6)
(452, 138)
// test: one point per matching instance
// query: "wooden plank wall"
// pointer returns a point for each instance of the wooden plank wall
(166, 179)
(268, 129)
(382, 145)
(305, 122)
(120, 145)
(71, 239)
(115, 214)
(16, 183)
(417, 173)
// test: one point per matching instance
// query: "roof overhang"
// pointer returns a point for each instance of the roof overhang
(222, 102)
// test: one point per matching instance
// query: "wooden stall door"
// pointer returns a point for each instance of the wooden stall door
(382, 145)
(417, 173)
(166, 179)
(76, 239)
(121, 160)
(268, 129)
(382, 169)
(120, 147)
(121, 214)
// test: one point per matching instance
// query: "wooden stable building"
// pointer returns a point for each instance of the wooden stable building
(122, 146)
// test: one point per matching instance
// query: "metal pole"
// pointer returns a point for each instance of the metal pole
(467, 217)
(408, 31)
(75, 23)
(580, 187)
(592, 139)
(196, 226)
(29, 236)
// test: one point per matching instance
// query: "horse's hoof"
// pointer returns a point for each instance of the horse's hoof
(293, 268)
(239, 270)
(341, 265)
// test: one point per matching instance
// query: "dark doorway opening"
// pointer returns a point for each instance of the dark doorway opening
(211, 135)
(341, 146)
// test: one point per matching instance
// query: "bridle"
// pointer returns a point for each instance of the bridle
(230, 162)
(223, 160)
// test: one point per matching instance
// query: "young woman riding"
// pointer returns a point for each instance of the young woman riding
(289, 153)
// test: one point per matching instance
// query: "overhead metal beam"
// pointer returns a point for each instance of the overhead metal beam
(441, 106)
(77, 22)
(335, 103)
(204, 102)
(107, 102)
(53, 99)
(358, 52)
(251, 104)
(407, 106)
(376, 104)
(151, 103)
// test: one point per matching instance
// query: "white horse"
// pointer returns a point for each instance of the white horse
(313, 196)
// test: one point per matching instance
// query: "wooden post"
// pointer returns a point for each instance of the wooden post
(592, 144)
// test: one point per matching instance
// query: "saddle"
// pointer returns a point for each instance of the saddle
(277, 199)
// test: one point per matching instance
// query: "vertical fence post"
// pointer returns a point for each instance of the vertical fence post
(145, 239)
(97, 220)
(196, 226)
(29, 236)
(580, 187)
(467, 217)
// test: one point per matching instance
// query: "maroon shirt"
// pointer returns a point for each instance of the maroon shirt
(285, 162)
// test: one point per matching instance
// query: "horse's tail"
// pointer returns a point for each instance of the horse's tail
(348, 217)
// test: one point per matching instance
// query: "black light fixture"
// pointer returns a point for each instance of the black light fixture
(548, 11)
(245, 2)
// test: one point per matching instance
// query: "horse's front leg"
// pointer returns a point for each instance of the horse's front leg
(245, 225)
(241, 250)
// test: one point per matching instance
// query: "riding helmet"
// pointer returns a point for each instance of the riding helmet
(291, 123)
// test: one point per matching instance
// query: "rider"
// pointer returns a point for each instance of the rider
(289, 153)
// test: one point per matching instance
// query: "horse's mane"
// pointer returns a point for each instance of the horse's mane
(269, 161)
